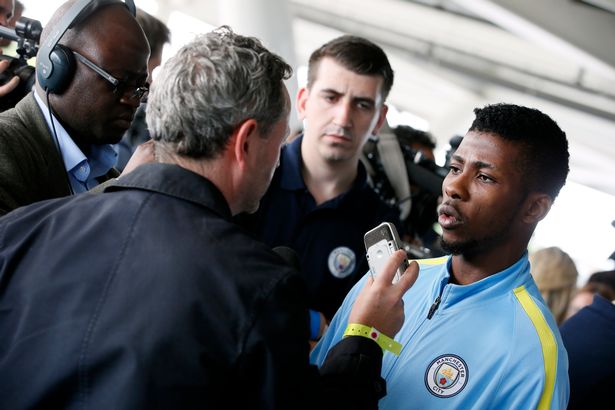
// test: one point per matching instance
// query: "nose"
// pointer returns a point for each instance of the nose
(455, 186)
(343, 115)
(130, 99)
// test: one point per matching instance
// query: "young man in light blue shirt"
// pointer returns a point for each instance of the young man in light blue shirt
(477, 333)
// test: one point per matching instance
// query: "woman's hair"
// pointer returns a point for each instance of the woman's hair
(555, 275)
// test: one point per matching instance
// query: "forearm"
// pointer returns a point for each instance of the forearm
(351, 375)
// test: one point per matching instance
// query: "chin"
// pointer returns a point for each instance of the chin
(113, 136)
(252, 208)
(336, 156)
(459, 247)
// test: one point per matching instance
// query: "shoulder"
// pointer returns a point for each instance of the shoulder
(22, 123)
(538, 343)
(432, 267)
(10, 123)
(432, 263)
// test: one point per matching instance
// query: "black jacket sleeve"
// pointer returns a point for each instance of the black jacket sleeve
(276, 369)
(350, 375)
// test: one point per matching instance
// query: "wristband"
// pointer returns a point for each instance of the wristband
(385, 342)
(314, 325)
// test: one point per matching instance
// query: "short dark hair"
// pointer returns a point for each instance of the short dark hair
(408, 136)
(544, 159)
(605, 278)
(156, 32)
(358, 55)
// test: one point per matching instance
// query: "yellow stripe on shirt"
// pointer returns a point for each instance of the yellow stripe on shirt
(547, 342)
(431, 261)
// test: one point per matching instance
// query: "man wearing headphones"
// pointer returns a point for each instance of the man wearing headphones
(91, 77)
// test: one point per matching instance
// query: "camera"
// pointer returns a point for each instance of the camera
(425, 178)
(27, 34)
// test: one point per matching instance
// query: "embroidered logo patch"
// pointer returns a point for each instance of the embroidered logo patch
(446, 376)
(342, 261)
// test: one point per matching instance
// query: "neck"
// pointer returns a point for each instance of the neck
(326, 179)
(471, 267)
(215, 170)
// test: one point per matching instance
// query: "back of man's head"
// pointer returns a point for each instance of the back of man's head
(356, 54)
(544, 158)
(156, 32)
(412, 137)
(209, 87)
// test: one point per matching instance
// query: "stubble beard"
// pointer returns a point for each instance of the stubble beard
(476, 246)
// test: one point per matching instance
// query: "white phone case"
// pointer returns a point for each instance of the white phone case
(380, 243)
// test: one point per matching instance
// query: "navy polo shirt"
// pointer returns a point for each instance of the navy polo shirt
(328, 238)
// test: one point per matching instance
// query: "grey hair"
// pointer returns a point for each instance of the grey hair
(210, 87)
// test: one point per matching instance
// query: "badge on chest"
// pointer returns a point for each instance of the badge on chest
(446, 376)
(342, 261)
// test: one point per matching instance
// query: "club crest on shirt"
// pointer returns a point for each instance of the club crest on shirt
(446, 376)
(342, 261)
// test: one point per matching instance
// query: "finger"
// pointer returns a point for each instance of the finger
(4, 64)
(369, 281)
(408, 278)
(390, 267)
(9, 86)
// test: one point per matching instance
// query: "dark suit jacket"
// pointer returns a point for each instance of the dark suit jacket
(31, 168)
(148, 296)
(589, 338)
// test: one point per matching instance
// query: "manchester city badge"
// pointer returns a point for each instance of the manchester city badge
(446, 376)
(342, 261)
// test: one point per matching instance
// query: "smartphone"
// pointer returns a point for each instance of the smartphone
(380, 243)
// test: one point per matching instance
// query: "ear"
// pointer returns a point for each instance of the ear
(537, 206)
(381, 119)
(242, 145)
(302, 97)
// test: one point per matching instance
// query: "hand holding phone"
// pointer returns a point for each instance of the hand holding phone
(380, 243)
(379, 304)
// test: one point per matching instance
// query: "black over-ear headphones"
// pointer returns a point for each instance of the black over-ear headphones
(55, 63)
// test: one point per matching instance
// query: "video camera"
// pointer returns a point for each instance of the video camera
(425, 178)
(27, 34)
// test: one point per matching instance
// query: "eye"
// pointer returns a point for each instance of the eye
(454, 169)
(364, 105)
(485, 178)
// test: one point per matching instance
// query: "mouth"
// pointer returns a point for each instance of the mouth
(338, 138)
(448, 216)
(124, 121)
(338, 134)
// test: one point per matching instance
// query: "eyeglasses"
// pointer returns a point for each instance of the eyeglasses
(121, 86)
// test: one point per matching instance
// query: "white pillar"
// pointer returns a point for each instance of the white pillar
(271, 22)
